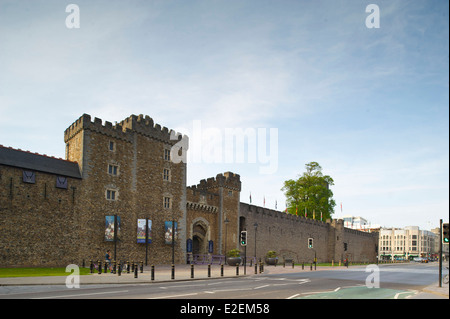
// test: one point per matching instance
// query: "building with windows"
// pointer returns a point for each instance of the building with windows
(359, 223)
(122, 187)
(406, 243)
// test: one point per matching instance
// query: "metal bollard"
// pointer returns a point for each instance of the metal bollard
(221, 270)
(209, 270)
(135, 271)
(142, 267)
(192, 270)
(153, 272)
(237, 269)
(128, 267)
(99, 267)
(91, 267)
(106, 267)
(115, 267)
(173, 272)
(311, 267)
(119, 270)
(256, 268)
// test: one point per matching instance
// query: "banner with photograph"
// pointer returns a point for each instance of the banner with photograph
(168, 232)
(109, 228)
(141, 231)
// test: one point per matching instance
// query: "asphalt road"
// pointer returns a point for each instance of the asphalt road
(395, 282)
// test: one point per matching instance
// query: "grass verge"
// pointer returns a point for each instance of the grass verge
(37, 272)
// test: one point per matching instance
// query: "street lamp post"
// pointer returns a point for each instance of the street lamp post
(256, 228)
(226, 221)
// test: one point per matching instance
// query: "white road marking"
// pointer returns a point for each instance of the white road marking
(173, 296)
(87, 294)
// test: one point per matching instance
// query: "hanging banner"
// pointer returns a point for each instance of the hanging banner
(109, 228)
(141, 231)
(210, 246)
(189, 245)
(168, 232)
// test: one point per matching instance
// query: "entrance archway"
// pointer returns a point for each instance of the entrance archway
(200, 237)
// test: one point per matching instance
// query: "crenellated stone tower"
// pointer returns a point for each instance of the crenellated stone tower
(127, 171)
(213, 213)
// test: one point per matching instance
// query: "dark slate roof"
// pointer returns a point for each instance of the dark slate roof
(37, 162)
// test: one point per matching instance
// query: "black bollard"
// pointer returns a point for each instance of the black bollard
(92, 267)
(135, 271)
(237, 269)
(173, 272)
(99, 267)
(142, 267)
(221, 270)
(256, 268)
(119, 270)
(209, 270)
(153, 272)
(128, 267)
(192, 270)
(311, 267)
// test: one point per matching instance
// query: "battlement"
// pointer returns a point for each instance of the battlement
(141, 124)
(246, 209)
(227, 180)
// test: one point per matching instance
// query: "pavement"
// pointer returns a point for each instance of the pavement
(182, 273)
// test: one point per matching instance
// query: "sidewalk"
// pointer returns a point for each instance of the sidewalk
(182, 273)
(436, 290)
(162, 274)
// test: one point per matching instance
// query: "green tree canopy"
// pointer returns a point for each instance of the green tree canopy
(311, 193)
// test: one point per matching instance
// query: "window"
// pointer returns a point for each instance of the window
(230, 193)
(166, 174)
(112, 146)
(167, 202)
(110, 194)
(29, 177)
(166, 155)
(113, 169)
(61, 182)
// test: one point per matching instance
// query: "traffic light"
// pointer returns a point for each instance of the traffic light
(445, 233)
(244, 238)
(310, 243)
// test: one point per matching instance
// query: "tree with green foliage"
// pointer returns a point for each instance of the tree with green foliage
(310, 193)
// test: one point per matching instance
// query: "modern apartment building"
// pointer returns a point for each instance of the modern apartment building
(406, 243)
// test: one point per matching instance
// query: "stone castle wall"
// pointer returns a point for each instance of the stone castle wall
(288, 235)
(42, 225)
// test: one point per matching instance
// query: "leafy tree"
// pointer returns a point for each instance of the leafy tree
(310, 192)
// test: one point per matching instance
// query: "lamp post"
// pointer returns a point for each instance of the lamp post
(226, 221)
(256, 228)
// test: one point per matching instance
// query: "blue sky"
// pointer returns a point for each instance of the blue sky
(370, 105)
